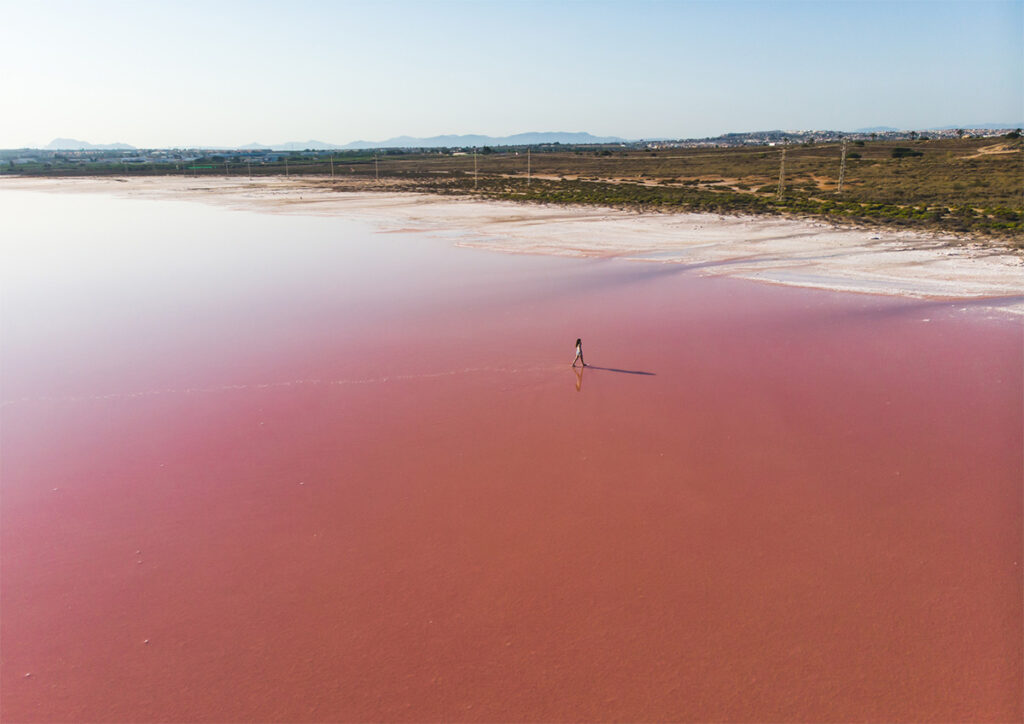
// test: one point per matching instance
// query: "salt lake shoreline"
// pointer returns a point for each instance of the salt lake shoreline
(803, 253)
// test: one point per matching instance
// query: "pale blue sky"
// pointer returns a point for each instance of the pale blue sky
(228, 73)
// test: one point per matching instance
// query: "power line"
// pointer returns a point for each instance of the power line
(842, 169)
(782, 175)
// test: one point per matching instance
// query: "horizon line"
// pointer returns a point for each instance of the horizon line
(327, 145)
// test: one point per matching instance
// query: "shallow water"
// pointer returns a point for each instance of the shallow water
(274, 467)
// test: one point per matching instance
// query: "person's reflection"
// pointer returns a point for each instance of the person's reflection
(579, 377)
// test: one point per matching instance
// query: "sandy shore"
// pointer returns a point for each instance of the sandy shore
(776, 250)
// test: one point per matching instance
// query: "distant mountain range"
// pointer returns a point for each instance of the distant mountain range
(71, 144)
(449, 141)
(456, 141)
(290, 146)
(519, 139)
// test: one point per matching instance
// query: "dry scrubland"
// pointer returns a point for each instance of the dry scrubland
(972, 188)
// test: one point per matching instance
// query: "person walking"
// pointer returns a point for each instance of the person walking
(579, 353)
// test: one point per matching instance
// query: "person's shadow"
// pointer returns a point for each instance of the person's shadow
(579, 373)
(621, 372)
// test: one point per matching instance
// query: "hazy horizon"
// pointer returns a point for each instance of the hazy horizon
(351, 144)
(227, 74)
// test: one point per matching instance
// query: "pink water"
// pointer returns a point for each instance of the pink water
(278, 468)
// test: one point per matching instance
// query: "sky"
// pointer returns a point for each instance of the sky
(228, 73)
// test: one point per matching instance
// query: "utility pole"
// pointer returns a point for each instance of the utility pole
(332, 166)
(226, 168)
(842, 169)
(474, 169)
(527, 167)
(286, 165)
(376, 167)
(782, 175)
(249, 163)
